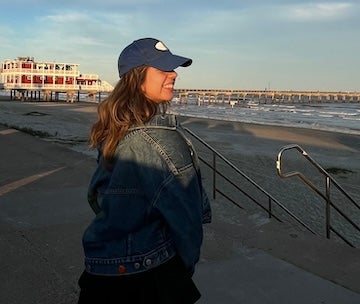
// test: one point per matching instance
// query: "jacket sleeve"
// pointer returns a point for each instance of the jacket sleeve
(180, 201)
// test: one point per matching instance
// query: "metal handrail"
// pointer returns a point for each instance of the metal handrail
(326, 196)
(215, 171)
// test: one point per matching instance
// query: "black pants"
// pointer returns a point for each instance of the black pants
(169, 283)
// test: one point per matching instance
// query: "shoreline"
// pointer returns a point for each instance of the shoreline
(324, 129)
(310, 137)
(309, 127)
(18, 112)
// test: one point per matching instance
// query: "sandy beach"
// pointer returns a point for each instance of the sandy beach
(252, 148)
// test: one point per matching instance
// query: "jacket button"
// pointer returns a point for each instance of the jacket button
(148, 262)
(122, 269)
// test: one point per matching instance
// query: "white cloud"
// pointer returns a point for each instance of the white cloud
(67, 17)
(320, 11)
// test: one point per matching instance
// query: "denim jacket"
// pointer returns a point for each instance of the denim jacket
(150, 204)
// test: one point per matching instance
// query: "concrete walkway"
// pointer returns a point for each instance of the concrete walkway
(44, 211)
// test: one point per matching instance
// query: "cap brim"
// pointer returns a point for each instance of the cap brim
(170, 62)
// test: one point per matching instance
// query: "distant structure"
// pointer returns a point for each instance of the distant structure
(233, 97)
(29, 79)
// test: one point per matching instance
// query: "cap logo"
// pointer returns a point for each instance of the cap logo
(160, 46)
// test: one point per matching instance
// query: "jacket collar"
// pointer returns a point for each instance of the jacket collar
(159, 120)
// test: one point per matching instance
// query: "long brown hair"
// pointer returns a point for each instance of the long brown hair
(126, 106)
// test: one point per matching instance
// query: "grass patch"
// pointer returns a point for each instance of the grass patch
(30, 131)
(35, 113)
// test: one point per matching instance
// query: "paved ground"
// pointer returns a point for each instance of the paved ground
(251, 260)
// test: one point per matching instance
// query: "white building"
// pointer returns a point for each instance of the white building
(25, 76)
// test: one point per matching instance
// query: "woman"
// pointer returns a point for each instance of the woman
(144, 242)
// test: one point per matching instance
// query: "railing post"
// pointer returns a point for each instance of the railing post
(270, 207)
(214, 175)
(328, 207)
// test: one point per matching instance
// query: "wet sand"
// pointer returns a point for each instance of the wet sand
(254, 148)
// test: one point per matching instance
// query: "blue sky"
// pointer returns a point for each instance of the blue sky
(251, 44)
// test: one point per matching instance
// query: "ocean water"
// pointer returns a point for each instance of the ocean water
(335, 117)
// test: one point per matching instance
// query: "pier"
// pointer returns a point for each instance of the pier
(202, 96)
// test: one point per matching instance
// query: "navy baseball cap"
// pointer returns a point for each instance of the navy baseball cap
(151, 52)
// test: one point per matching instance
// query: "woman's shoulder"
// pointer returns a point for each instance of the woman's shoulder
(157, 144)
